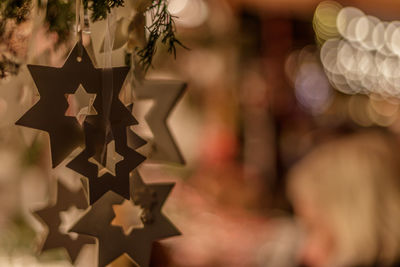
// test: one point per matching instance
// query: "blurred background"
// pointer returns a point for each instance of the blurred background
(289, 128)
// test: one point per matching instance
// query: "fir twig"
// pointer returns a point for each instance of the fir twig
(100, 8)
(8, 66)
(12, 13)
(17, 10)
(162, 28)
(60, 18)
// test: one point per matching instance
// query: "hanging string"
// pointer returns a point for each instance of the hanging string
(107, 77)
(86, 25)
(78, 28)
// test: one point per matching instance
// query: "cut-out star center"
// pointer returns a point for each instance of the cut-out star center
(68, 218)
(111, 160)
(80, 104)
(127, 216)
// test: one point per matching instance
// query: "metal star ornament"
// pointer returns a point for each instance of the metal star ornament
(48, 114)
(118, 183)
(113, 242)
(51, 216)
(165, 95)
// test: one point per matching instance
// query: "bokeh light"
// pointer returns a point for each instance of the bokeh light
(365, 57)
(324, 21)
(189, 13)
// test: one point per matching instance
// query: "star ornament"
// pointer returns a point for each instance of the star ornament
(165, 95)
(112, 240)
(100, 183)
(51, 216)
(48, 114)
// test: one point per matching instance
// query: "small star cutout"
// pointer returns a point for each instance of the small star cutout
(127, 216)
(111, 159)
(80, 104)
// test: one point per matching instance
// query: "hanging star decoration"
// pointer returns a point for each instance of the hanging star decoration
(79, 106)
(110, 124)
(48, 113)
(165, 95)
(138, 243)
(110, 121)
(82, 164)
(51, 216)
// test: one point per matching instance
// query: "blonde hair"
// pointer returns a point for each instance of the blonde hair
(354, 182)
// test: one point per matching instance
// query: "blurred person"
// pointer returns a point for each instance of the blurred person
(346, 194)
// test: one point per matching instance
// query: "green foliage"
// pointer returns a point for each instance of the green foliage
(100, 8)
(60, 18)
(162, 28)
(8, 66)
(17, 10)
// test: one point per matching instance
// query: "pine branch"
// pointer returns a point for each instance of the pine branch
(60, 18)
(17, 10)
(8, 66)
(162, 28)
(100, 8)
(12, 13)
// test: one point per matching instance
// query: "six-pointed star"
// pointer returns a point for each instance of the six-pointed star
(51, 217)
(80, 104)
(119, 183)
(111, 123)
(48, 114)
(165, 95)
(112, 119)
(112, 240)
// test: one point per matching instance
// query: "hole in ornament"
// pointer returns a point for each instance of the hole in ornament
(80, 104)
(68, 219)
(110, 161)
(127, 216)
(79, 59)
